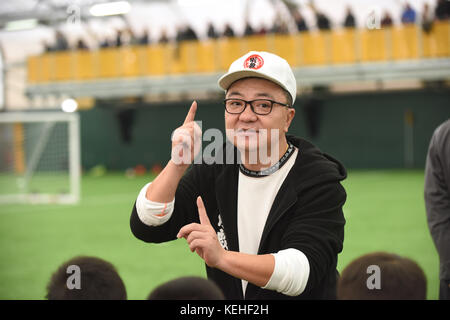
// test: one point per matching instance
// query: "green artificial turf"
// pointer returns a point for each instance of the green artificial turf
(384, 212)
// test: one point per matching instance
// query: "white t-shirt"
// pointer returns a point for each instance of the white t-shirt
(255, 198)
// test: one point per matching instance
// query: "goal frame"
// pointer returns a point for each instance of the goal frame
(74, 164)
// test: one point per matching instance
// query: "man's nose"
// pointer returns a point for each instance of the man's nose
(248, 114)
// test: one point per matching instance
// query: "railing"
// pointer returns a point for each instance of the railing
(346, 46)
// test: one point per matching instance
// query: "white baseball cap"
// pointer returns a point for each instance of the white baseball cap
(264, 65)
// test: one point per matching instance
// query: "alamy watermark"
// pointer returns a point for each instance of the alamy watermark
(74, 280)
(373, 18)
(374, 280)
(73, 12)
(261, 146)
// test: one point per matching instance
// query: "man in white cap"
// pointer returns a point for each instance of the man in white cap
(269, 225)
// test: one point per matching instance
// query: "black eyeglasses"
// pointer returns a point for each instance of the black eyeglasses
(260, 106)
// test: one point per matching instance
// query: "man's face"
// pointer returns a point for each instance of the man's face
(249, 131)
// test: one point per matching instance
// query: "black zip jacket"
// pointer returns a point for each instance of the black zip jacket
(306, 215)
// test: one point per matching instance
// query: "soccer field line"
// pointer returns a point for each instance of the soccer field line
(107, 199)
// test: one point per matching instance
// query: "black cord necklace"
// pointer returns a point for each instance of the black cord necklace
(272, 169)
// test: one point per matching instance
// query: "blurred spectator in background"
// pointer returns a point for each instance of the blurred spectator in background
(144, 39)
(442, 11)
(130, 37)
(187, 288)
(211, 31)
(437, 201)
(386, 21)
(81, 45)
(228, 32)
(279, 25)
(119, 41)
(349, 21)
(186, 33)
(163, 37)
(300, 21)
(248, 29)
(86, 278)
(382, 276)
(105, 43)
(323, 23)
(61, 43)
(262, 30)
(125, 37)
(427, 19)
(408, 15)
(189, 34)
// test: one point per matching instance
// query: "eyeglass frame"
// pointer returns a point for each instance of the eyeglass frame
(249, 102)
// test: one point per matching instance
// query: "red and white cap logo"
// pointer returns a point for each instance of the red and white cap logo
(254, 61)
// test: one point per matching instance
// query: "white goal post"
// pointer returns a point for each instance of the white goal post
(39, 157)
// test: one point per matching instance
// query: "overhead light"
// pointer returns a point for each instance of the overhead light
(21, 24)
(110, 9)
(69, 105)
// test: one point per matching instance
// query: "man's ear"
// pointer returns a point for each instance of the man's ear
(290, 114)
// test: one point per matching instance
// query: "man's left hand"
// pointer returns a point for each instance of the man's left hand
(202, 238)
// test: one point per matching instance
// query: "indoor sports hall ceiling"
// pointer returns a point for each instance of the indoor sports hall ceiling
(48, 12)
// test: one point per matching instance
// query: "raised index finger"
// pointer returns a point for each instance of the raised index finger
(191, 114)
(202, 212)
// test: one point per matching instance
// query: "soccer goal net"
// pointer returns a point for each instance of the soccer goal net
(39, 157)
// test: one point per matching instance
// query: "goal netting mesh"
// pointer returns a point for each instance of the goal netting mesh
(39, 158)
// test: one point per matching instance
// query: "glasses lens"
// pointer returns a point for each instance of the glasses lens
(234, 105)
(262, 106)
